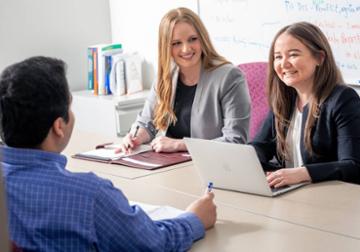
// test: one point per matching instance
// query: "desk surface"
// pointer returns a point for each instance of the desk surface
(318, 217)
(331, 206)
(239, 230)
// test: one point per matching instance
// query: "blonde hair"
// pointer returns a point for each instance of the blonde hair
(281, 96)
(164, 114)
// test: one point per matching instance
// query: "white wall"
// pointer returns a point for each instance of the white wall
(57, 28)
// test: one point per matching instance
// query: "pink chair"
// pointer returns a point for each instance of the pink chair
(256, 78)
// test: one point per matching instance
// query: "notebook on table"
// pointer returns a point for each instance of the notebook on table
(142, 157)
(231, 166)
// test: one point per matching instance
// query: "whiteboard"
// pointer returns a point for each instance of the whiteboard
(242, 30)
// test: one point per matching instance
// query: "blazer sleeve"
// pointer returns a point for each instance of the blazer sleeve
(235, 103)
(265, 144)
(146, 116)
(346, 114)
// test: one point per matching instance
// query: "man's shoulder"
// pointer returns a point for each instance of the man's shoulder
(85, 182)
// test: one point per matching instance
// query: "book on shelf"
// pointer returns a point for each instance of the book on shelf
(90, 52)
(126, 74)
(108, 65)
(117, 75)
(100, 66)
(142, 157)
(133, 73)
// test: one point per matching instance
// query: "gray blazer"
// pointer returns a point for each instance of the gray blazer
(220, 110)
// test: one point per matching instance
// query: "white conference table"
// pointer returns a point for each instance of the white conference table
(332, 206)
(318, 217)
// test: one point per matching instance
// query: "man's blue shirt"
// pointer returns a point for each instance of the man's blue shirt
(52, 209)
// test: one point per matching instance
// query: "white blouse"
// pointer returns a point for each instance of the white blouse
(293, 140)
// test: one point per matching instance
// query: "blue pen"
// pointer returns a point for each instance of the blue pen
(210, 186)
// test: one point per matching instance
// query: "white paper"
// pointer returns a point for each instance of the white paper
(129, 159)
(158, 212)
(108, 153)
(103, 154)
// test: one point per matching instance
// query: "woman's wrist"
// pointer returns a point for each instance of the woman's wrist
(305, 174)
(180, 145)
(143, 136)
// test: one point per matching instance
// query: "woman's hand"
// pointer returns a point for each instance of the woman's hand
(130, 142)
(166, 144)
(288, 176)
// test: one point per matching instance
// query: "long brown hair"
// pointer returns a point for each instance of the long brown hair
(281, 96)
(164, 114)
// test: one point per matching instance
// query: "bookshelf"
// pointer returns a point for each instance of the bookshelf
(107, 115)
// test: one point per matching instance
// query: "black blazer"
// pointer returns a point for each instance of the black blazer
(335, 137)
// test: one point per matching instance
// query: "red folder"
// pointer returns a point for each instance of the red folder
(148, 160)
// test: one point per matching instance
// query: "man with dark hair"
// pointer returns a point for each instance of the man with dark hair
(33, 94)
(52, 209)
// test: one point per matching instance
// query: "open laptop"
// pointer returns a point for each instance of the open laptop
(232, 167)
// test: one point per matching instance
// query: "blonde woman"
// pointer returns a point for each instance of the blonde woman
(313, 129)
(198, 93)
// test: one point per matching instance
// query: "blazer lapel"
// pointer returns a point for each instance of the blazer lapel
(199, 91)
(174, 81)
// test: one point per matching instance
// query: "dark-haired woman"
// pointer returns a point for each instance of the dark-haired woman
(313, 129)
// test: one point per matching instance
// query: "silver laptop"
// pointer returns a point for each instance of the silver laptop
(232, 167)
